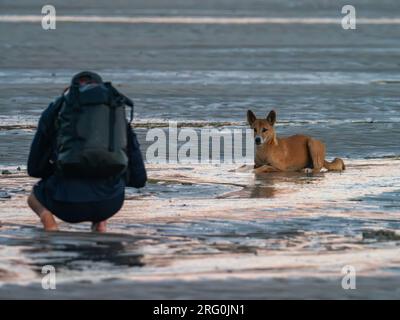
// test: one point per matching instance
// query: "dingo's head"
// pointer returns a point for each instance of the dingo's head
(264, 130)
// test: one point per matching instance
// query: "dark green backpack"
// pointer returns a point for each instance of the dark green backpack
(92, 129)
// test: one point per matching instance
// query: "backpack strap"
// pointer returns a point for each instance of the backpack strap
(71, 101)
(121, 99)
(73, 97)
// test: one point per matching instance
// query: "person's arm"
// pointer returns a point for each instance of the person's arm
(42, 147)
(136, 175)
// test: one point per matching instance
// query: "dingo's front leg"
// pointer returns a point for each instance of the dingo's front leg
(265, 168)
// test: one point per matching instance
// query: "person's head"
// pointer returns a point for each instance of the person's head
(83, 79)
(264, 131)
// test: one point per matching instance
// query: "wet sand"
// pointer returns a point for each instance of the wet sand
(280, 232)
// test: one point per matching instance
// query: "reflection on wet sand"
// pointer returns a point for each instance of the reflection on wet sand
(263, 186)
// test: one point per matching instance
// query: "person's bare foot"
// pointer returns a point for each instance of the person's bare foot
(48, 221)
(46, 217)
(99, 226)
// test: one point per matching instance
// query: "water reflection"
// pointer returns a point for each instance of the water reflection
(268, 185)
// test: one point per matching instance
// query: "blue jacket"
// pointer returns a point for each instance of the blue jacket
(41, 164)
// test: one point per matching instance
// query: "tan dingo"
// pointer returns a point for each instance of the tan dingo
(294, 153)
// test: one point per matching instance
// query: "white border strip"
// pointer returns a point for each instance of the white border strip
(194, 20)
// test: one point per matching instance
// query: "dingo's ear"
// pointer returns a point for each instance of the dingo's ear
(271, 118)
(251, 117)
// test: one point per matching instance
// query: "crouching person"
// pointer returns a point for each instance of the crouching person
(85, 153)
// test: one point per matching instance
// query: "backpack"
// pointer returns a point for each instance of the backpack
(91, 129)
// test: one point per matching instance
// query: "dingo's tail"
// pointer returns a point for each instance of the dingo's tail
(336, 165)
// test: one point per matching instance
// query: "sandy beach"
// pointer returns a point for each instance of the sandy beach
(211, 231)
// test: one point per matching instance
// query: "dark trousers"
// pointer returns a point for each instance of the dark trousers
(74, 212)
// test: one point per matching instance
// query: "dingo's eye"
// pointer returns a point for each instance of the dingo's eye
(264, 130)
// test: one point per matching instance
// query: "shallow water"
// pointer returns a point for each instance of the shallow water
(209, 224)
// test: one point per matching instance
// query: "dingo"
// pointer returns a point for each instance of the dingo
(294, 153)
